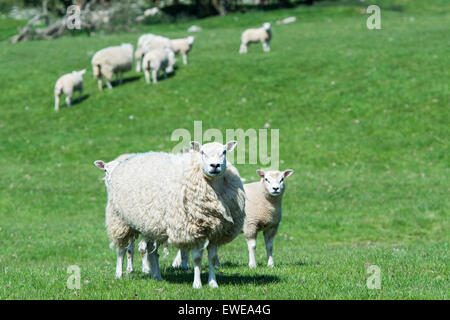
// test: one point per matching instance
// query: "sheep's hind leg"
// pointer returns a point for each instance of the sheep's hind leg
(100, 84)
(184, 58)
(212, 258)
(197, 259)
(56, 102)
(269, 235)
(251, 243)
(130, 255)
(119, 263)
(68, 100)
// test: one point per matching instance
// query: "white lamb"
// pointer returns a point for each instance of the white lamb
(190, 200)
(182, 46)
(254, 35)
(149, 42)
(263, 210)
(68, 84)
(158, 60)
(110, 61)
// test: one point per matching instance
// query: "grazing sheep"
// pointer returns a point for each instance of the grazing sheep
(287, 20)
(149, 42)
(156, 60)
(263, 210)
(190, 200)
(121, 236)
(67, 84)
(182, 46)
(262, 35)
(110, 61)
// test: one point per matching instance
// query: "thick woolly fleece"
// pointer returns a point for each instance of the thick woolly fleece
(112, 60)
(167, 197)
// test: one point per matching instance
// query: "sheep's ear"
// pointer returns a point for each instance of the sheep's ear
(287, 173)
(230, 145)
(260, 173)
(99, 164)
(83, 71)
(196, 146)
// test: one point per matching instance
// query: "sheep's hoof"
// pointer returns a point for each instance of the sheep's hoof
(252, 265)
(271, 265)
(197, 285)
(145, 270)
(213, 284)
(129, 271)
(118, 276)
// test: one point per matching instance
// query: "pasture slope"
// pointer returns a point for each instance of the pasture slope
(363, 118)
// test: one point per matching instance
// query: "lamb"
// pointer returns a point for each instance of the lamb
(156, 60)
(262, 35)
(149, 42)
(110, 61)
(68, 84)
(263, 210)
(190, 200)
(182, 46)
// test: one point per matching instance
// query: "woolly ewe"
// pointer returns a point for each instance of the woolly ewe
(182, 46)
(149, 42)
(156, 60)
(263, 210)
(262, 35)
(67, 84)
(189, 200)
(110, 61)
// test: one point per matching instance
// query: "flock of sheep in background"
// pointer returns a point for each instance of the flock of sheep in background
(153, 54)
(192, 200)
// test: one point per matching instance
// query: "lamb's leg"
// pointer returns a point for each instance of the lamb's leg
(68, 100)
(184, 58)
(143, 250)
(197, 259)
(119, 264)
(153, 258)
(56, 102)
(243, 48)
(130, 255)
(147, 76)
(100, 85)
(269, 235)
(138, 65)
(266, 46)
(251, 243)
(108, 84)
(212, 257)
(155, 76)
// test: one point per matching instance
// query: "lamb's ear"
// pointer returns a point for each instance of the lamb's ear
(260, 173)
(83, 71)
(196, 146)
(230, 145)
(287, 173)
(99, 164)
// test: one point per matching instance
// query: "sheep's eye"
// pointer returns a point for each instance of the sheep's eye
(224, 152)
(266, 179)
(282, 179)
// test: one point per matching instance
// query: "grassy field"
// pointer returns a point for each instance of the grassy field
(363, 118)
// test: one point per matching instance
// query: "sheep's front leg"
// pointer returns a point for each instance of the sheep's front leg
(130, 255)
(147, 76)
(212, 258)
(153, 258)
(100, 85)
(251, 243)
(56, 102)
(266, 46)
(184, 58)
(119, 262)
(243, 48)
(197, 259)
(269, 235)
(143, 251)
(138, 65)
(155, 75)
(108, 84)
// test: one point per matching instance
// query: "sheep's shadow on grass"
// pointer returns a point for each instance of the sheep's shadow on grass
(116, 83)
(80, 99)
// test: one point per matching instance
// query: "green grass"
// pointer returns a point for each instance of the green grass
(363, 118)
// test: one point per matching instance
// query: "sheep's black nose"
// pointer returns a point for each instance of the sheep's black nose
(215, 165)
(275, 188)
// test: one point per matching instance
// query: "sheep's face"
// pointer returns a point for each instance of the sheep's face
(213, 157)
(274, 180)
(266, 25)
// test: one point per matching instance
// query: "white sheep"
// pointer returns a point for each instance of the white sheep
(263, 210)
(68, 84)
(190, 200)
(254, 35)
(112, 60)
(182, 46)
(158, 60)
(149, 42)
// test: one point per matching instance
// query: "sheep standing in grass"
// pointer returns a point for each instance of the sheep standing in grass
(254, 35)
(263, 211)
(147, 43)
(190, 200)
(121, 235)
(156, 60)
(182, 46)
(110, 61)
(68, 84)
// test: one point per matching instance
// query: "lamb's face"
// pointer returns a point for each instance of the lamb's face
(266, 25)
(213, 157)
(274, 180)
